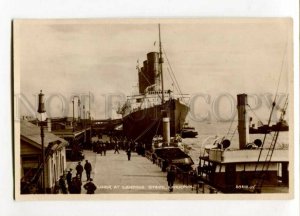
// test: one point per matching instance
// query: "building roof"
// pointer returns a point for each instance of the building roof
(32, 134)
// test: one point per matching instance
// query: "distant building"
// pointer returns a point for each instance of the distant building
(77, 133)
(31, 158)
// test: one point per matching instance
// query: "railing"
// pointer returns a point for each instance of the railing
(188, 178)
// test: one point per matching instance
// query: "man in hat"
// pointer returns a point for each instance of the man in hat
(171, 177)
(90, 187)
(62, 185)
(88, 169)
(117, 148)
(79, 170)
(75, 186)
(69, 177)
(128, 153)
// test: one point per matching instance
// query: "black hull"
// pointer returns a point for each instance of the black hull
(266, 129)
(259, 130)
(143, 125)
(189, 134)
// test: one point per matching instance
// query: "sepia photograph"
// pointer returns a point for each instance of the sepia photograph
(153, 108)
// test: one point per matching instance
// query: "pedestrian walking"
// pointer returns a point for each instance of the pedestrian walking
(129, 153)
(90, 187)
(117, 148)
(107, 145)
(104, 149)
(94, 146)
(69, 177)
(164, 166)
(79, 170)
(88, 169)
(171, 177)
(62, 185)
(100, 148)
(143, 149)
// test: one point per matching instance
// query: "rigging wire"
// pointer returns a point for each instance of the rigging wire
(157, 127)
(176, 82)
(282, 64)
(145, 131)
(284, 108)
(173, 80)
(254, 113)
(230, 126)
(273, 105)
(276, 94)
(233, 133)
(271, 149)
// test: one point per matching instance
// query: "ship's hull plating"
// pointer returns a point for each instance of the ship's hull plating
(143, 124)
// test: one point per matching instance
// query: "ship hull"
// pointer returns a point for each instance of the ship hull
(188, 133)
(143, 125)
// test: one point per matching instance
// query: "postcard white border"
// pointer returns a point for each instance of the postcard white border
(97, 9)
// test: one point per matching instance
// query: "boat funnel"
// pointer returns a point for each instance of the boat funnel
(243, 125)
(166, 130)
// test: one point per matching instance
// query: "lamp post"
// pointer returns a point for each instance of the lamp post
(84, 124)
(41, 110)
(73, 115)
(73, 110)
(79, 111)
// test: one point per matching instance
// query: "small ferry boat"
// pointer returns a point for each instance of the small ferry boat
(188, 131)
(282, 125)
(168, 150)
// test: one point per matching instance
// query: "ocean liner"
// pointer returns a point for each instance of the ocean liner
(142, 113)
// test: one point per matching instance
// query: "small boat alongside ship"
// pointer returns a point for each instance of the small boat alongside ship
(168, 150)
(172, 155)
(266, 129)
(188, 131)
(158, 142)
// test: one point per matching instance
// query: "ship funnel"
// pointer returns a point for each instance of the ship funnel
(153, 69)
(166, 129)
(243, 125)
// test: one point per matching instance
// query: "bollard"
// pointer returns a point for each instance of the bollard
(211, 190)
(201, 185)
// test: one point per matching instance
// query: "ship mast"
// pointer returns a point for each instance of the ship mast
(161, 61)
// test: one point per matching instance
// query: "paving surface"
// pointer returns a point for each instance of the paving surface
(113, 173)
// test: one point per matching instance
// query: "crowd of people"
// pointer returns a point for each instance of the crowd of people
(74, 184)
(116, 144)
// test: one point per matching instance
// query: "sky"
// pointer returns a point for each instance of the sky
(210, 58)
